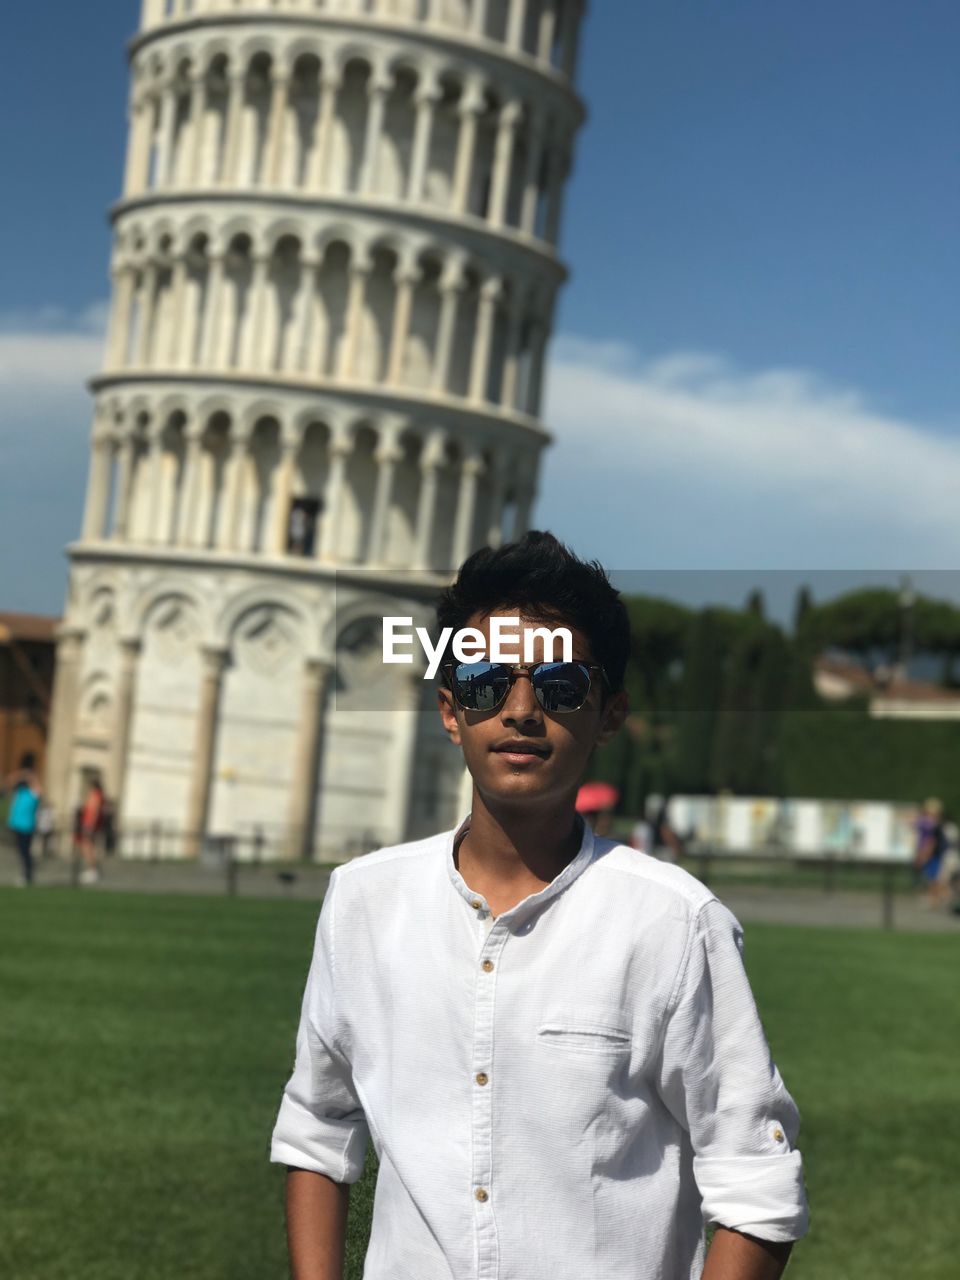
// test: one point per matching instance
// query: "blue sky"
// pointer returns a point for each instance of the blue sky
(760, 336)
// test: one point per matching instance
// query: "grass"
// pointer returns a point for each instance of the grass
(146, 1040)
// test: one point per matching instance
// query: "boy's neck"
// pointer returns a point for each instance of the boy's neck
(508, 855)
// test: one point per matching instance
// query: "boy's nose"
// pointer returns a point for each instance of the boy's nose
(521, 703)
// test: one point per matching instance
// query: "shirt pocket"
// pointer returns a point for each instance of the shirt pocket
(593, 1032)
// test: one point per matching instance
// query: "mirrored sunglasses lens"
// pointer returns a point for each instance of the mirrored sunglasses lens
(480, 686)
(561, 686)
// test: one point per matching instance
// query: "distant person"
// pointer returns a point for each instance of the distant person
(91, 825)
(23, 787)
(667, 844)
(931, 845)
(949, 878)
(641, 836)
(595, 803)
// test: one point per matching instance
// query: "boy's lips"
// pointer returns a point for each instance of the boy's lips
(521, 747)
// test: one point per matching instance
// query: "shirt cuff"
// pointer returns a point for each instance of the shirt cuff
(336, 1148)
(761, 1196)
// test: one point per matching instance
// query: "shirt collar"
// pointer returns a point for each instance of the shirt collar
(571, 872)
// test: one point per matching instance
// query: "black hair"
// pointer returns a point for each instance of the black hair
(543, 579)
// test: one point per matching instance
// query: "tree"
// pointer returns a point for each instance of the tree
(702, 683)
(802, 608)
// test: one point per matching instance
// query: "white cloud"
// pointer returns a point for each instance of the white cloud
(685, 461)
(47, 356)
(681, 461)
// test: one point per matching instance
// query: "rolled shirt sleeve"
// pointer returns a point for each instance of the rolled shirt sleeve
(321, 1125)
(718, 1079)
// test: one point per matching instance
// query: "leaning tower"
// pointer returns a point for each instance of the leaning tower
(334, 274)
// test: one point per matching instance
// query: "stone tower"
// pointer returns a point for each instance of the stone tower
(334, 273)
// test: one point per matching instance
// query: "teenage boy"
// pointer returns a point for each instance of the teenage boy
(549, 1036)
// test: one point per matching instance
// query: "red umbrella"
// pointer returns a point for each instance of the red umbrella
(594, 797)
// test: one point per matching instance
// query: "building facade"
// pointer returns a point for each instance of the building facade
(334, 275)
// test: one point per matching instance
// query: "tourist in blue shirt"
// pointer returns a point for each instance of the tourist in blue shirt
(24, 787)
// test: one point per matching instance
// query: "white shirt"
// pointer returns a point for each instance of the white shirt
(552, 1095)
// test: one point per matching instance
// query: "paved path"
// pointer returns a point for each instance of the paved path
(750, 903)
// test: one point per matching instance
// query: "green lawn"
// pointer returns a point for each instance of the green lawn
(146, 1040)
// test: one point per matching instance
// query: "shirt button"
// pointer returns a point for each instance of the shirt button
(487, 966)
(481, 1195)
(778, 1135)
(482, 1078)
(476, 904)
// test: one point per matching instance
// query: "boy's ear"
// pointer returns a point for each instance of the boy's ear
(615, 711)
(448, 715)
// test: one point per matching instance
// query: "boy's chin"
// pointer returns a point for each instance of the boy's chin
(522, 788)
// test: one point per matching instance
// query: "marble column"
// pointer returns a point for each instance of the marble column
(198, 105)
(430, 465)
(297, 353)
(328, 544)
(317, 675)
(532, 176)
(235, 474)
(151, 12)
(201, 773)
(118, 337)
(253, 345)
(178, 292)
(125, 474)
(405, 280)
(168, 112)
(541, 336)
(511, 367)
(503, 163)
(138, 148)
(452, 285)
(98, 486)
(387, 456)
(470, 472)
(120, 745)
(63, 715)
(156, 486)
(478, 17)
(376, 114)
(490, 293)
(426, 99)
(283, 481)
(233, 129)
(319, 160)
(469, 111)
(209, 356)
(146, 302)
(548, 27)
(359, 272)
(186, 533)
(276, 135)
(516, 25)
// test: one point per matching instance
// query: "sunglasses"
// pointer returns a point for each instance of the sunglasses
(560, 687)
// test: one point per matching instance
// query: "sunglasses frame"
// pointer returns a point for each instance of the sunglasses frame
(516, 669)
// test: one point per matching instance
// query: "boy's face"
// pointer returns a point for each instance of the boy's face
(519, 753)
